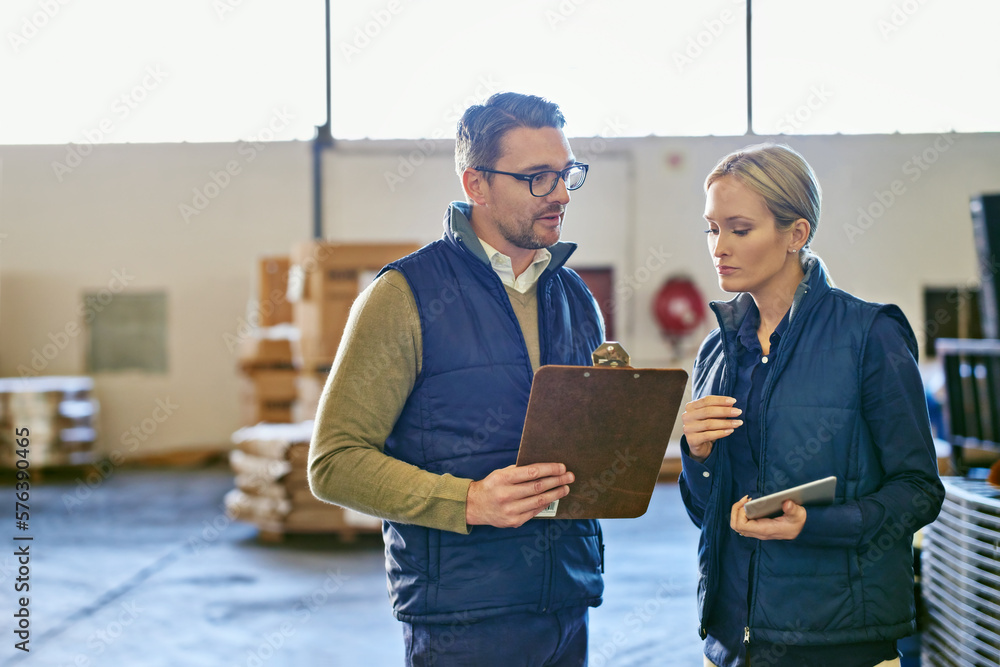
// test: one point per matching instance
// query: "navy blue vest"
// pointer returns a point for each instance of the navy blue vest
(464, 417)
(811, 411)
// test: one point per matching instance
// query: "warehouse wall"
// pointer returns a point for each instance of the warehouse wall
(130, 218)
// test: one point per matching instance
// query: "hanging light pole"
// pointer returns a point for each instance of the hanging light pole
(323, 139)
(749, 72)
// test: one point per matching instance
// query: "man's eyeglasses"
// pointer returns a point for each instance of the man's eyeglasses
(541, 183)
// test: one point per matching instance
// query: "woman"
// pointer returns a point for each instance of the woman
(799, 382)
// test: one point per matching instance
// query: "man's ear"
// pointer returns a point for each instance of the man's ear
(475, 185)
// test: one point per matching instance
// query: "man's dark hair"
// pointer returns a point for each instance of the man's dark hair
(483, 127)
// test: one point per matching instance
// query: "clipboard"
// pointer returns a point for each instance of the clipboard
(610, 425)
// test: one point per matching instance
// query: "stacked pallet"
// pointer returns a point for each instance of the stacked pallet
(267, 377)
(324, 280)
(284, 362)
(272, 487)
(60, 414)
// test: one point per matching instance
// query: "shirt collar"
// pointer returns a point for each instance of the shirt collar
(504, 268)
(458, 228)
(747, 334)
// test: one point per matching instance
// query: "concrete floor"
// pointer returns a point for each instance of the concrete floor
(145, 569)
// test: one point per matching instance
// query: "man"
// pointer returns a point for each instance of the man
(421, 417)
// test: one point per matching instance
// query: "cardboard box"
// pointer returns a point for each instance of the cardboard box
(302, 412)
(323, 284)
(321, 325)
(323, 322)
(271, 412)
(323, 256)
(272, 291)
(309, 387)
(323, 319)
(322, 270)
(269, 384)
(259, 352)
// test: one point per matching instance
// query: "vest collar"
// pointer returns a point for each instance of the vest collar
(458, 232)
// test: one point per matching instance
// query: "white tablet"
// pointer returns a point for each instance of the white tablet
(820, 492)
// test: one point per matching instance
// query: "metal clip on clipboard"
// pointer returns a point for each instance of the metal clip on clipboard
(611, 353)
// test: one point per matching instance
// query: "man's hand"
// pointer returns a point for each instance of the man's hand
(508, 497)
(706, 420)
(785, 527)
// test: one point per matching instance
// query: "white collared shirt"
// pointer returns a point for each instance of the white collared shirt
(505, 269)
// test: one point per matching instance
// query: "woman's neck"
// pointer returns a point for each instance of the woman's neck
(774, 300)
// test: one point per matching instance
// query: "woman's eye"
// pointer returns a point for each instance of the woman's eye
(711, 231)
(741, 232)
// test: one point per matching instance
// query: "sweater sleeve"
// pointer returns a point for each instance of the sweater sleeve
(375, 369)
(895, 410)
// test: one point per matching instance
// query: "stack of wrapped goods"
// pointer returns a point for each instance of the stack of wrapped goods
(60, 414)
(272, 486)
(324, 280)
(270, 460)
(267, 382)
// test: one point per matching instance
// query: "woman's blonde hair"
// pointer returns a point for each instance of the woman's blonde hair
(781, 176)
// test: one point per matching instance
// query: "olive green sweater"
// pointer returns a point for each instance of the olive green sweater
(377, 364)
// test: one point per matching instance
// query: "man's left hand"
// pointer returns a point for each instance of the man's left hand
(785, 527)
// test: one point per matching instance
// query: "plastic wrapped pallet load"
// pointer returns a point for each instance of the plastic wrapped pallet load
(60, 414)
(270, 463)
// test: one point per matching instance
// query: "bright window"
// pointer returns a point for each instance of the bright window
(222, 70)
(866, 67)
(404, 69)
(187, 70)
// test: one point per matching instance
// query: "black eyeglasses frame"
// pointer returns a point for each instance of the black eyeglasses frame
(530, 178)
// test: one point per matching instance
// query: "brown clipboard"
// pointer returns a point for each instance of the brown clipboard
(610, 426)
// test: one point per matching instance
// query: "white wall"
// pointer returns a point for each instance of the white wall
(119, 210)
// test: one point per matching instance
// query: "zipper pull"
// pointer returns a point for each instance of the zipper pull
(746, 635)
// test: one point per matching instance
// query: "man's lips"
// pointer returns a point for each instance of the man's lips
(551, 217)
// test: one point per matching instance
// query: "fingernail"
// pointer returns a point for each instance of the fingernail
(738, 422)
(735, 411)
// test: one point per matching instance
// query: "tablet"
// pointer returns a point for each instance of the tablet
(820, 492)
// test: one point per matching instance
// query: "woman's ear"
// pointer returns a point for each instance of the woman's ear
(475, 185)
(799, 236)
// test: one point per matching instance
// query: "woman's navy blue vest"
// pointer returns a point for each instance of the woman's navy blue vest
(464, 417)
(812, 426)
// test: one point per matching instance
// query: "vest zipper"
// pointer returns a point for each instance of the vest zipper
(549, 529)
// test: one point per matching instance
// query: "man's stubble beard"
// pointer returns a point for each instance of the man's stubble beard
(524, 236)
